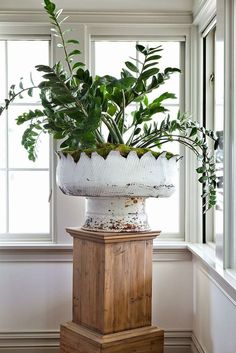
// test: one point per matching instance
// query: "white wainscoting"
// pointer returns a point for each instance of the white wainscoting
(48, 342)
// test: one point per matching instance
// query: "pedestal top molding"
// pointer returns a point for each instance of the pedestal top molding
(111, 237)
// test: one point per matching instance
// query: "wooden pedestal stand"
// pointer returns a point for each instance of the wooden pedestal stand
(112, 295)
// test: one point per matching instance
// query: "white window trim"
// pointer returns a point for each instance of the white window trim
(11, 31)
(225, 254)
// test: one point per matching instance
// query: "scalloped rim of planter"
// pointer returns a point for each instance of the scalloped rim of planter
(114, 175)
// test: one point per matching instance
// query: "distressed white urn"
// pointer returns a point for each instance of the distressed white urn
(116, 187)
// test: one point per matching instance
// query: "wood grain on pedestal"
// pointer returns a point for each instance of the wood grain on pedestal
(77, 339)
(112, 280)
(112, 292)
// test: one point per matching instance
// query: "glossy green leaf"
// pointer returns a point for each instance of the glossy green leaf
(131, 66)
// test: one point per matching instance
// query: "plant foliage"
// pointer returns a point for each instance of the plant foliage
(75, 107)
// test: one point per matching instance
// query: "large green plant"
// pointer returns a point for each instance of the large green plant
(76, 105)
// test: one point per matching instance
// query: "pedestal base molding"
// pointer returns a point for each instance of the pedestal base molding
(78, 339)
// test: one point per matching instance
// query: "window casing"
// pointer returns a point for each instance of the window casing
(213, 118)
(25, 210)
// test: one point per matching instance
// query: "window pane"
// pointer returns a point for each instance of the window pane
(2, 202)
(163, 213)
(18, 157)
(219, 127)
(3, 141)
(28, 54)
(111, 56)
(28, 202)
(214, 119)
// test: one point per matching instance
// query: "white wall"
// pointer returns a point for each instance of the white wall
(214, 313)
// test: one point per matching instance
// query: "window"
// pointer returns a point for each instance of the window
(108, 56)
(213, 116)
(24, 185)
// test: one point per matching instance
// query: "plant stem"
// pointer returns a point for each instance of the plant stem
(115, 127)
(99, 137)
(63, 43)
(110, 128)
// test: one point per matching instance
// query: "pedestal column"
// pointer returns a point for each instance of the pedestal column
(112, 294)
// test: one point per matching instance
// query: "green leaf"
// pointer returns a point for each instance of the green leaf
(127, 81)
(137, 131)
(140, 48)
(171, 70)
(193, 131)
(154, 57)
(44, 68)
(131, 66)
(146, 74)
(203, 178)
(75, 52)
(30, 92)
(72, 41)
(201, 170)
(149, 65)
(78, 64)
(164, 96)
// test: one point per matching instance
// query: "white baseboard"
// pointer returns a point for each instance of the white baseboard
(29, 342)
(176, 341)
(196, 346)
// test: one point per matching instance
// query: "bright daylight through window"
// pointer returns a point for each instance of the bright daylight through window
(24, 185)
(213, 113)
(117, 52)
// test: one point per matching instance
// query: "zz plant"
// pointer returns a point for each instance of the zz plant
(76, 107)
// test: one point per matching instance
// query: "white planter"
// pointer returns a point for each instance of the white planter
(116, 187)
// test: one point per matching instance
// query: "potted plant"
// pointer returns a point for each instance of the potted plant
(116, 173)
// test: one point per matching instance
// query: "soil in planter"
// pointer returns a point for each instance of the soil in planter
(104, 149)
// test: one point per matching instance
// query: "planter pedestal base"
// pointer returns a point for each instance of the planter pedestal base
(112, 292)
(77, 339)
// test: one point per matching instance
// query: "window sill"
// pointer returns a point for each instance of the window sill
(31, 252)
(225, 280)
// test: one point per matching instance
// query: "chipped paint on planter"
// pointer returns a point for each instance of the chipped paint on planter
(116, 187)
(116, 214)
(117, 175)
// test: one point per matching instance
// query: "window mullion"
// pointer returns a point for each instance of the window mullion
(7, 141)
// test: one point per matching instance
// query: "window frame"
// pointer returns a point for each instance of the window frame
(30, 32)
(208, 231)
(156, 33)
(225, 249)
